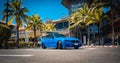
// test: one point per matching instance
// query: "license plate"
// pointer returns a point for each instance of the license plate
(75, 43)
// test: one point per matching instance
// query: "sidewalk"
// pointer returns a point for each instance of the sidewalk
(92, 46)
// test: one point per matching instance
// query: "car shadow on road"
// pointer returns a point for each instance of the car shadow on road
(66, 49)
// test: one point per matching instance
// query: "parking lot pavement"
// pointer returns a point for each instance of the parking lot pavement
(69, 55)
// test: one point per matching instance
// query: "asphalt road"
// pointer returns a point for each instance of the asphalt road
(70, 55)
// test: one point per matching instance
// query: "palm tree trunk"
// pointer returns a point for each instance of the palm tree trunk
(17, 43)
(99, 34)
(40, 33)
(6, 42)
(113, 32)
(88, 36)
(35, 35)
(81, 35)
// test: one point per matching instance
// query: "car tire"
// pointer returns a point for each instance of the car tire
(43, 46)
(76, 47)
(59, 45)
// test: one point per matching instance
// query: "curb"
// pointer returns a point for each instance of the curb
(99, 46)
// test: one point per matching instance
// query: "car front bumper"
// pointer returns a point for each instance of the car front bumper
(72, 44)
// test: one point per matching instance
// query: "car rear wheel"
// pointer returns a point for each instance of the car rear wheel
(59, 45)
(43, 46)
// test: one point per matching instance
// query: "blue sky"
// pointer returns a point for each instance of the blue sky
(47, 9)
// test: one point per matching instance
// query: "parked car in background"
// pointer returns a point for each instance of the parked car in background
(59, 41)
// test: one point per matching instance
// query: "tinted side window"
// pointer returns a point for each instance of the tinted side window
(49, 35)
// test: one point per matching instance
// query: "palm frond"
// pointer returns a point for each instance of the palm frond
(10, 21)
(75, 24)
(28, 27)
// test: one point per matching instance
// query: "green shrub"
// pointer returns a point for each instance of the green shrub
(21, 44)
(12, 44)
(5, 33)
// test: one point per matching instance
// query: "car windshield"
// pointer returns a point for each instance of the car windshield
(59, 35)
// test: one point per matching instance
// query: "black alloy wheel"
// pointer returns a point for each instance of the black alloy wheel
(43, 46)
(76, 47)
(59, 45)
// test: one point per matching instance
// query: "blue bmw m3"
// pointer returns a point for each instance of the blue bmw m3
(59, 41)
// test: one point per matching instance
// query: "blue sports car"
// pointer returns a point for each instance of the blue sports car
(59, 41)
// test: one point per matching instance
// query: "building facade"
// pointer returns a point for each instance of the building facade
(72, 5)
(61, 26)
(114, 20)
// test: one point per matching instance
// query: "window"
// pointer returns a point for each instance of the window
(66, 24)
(58, 35)
(49, 35)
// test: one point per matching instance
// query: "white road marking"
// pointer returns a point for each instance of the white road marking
(3, 55)
(90, 48)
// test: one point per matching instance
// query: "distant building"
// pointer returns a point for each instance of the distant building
(23, 34)
(72, 5)
(61, 26)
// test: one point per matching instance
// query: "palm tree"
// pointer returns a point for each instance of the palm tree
(34, 23)
(49, 27)
(18, 12)
(98, 16)
(82, 18)
(86, 16)
(111, 4)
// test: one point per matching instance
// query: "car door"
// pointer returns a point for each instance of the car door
(49, 39)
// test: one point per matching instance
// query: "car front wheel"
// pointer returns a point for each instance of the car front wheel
(43, 46)
(59, 45)
(76, 47)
